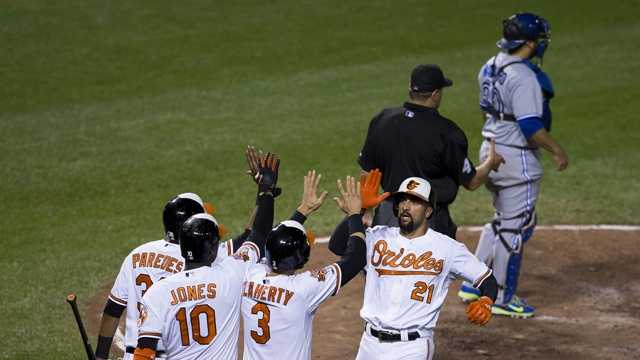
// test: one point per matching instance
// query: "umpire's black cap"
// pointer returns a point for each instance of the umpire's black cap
(428, 77)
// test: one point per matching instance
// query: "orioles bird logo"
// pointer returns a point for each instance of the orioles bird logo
(412, 184)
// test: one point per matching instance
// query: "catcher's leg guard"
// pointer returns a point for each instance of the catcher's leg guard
(512, 233)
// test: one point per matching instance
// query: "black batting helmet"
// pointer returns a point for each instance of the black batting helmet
(198, 236)
(177, 211)
(287, 246)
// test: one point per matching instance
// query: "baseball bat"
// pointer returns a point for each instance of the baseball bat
(71, 299)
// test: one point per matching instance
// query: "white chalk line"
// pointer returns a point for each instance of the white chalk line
(118, 338)
(603, 227)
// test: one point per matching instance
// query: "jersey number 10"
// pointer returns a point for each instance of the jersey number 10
(196, 326)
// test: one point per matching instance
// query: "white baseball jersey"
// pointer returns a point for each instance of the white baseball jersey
(196, 313)
(407, 279)
(144, 266)
(514, 90)
(278, 310)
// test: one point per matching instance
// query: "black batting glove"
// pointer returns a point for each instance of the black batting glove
(267, 176)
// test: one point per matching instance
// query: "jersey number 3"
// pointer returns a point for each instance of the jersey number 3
(263, 323)
(420, 288)
(196, 328)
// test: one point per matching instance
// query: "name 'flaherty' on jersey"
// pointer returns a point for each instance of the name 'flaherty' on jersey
(407, 279)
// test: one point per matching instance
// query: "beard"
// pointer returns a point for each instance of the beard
(407, 225)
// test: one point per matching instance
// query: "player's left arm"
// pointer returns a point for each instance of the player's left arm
(479, 311)
(354, 258)
(465, 265)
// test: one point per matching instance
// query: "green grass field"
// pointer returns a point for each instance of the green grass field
(108, 109)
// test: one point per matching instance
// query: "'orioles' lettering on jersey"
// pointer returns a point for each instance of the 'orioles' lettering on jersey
(144, 266)
(384, 256)
(196, 313)
(278, 310)
(264, 293)
(407, 279)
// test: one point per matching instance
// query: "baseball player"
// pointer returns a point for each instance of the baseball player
(514, 99)
(408, 272)
(156, 260)
(196, 313)
(144, 266)
(279, 305)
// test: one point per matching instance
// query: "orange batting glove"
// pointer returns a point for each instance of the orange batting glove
(144, 354)
(369, 185)
(479, 311)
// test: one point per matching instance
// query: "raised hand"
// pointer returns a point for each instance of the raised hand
(310, 199)
(349, 200)
(267, 176)
(253, 161)
(369, 185)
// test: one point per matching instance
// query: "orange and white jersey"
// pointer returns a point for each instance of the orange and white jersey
(196, 313)
(144, 266)
(278, 310)
(407, 279)
(225, 249)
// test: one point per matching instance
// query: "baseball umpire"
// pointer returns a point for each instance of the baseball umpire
(415, 140)
(514, 99)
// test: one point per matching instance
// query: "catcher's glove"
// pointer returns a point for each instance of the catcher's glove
(479, 311)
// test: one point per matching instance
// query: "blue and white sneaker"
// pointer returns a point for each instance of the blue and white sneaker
(516, 308)
(468, 293)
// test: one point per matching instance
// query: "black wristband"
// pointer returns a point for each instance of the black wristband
(298, 216)
(103, 347)
(113, 309)
(355, 224)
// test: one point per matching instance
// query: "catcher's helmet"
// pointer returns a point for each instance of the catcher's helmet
(287, 246)
(199, 237)
(177, 211)
(522, 27)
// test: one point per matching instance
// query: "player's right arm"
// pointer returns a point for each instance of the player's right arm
(267, 179)
(116, 304)
(151, 323)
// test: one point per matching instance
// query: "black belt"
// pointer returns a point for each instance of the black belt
(387, 336)
(499, 115)
(131, 350)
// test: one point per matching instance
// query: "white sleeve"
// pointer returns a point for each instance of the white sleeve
(318, 284)
(465, 265)
(247, 255)
(120, 291)
(225, 249)
(526, 97)
(151, 320)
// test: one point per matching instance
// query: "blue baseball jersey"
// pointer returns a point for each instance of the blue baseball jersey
(510, 87)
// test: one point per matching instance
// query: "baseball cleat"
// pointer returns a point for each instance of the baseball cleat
(468, 293)
(516, 308)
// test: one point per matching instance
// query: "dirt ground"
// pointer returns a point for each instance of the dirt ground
(585, 286)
